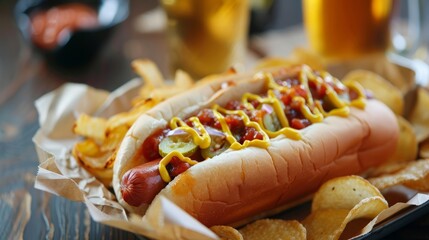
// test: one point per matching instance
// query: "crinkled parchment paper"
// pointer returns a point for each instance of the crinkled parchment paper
(60, 174)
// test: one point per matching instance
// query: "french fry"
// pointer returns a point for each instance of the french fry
(149, 72)
(183, 79)
(128, 118)
(102, 137)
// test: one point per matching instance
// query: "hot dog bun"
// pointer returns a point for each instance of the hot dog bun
(239, 184)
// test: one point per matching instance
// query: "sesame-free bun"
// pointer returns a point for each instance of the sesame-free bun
(240, 184)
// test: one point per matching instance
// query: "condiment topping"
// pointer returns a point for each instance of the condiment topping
(292, 101)
(50, 27)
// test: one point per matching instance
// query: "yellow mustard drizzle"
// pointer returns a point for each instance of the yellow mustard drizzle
(342, 112)
(360, 101)
(264, 143)
(166, 160)
(202, 139)
(314, 116)
(303, 76)
(271, 100)
(310, 108)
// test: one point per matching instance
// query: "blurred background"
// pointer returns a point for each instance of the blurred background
(139, 30)
(140, 35)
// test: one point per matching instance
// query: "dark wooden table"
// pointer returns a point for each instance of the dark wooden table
(26, 212)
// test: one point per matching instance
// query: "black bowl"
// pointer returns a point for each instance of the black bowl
(83, 44)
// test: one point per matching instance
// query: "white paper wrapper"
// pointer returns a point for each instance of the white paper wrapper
(415, 199)
(60, 174)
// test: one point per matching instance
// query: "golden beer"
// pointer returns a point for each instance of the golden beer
(347, 28)
(206, 36)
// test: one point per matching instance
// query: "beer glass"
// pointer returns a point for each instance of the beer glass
(410, 29)
(206, 36)
(346, 29)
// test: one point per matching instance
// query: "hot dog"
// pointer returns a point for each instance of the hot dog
(247, 144)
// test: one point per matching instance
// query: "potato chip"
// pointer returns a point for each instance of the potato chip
(87, 147)
(424, 149)
(368, 208)
(325, 224)
(338, 202)
(114, 138)
(330, 223)
(270, 62)
(273, 229)
(298, 56)
(96, 162)
(421, 185)
(407, 146)
(95, 155)
(420, 115)
(312, 59)
(82, 152)
(98, 158)
(388, 168)
(400, 76)
(227, 233)
(382, 89)
(343, 193)
(90, 127)
(394, 71)
(415, 176)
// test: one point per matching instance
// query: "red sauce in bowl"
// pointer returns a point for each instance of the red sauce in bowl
(49, 27)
